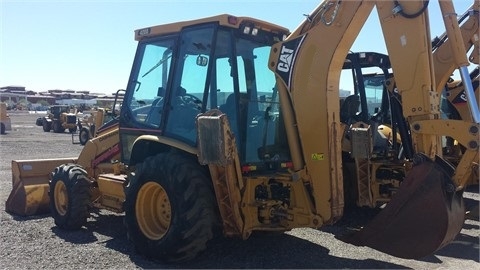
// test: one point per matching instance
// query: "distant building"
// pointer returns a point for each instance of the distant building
(14, 95)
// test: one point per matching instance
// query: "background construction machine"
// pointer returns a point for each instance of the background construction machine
(5, 122)
(58, 118)
(209, 139)
(90, 123)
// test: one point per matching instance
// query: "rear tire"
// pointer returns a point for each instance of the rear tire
(39, 121)
(69, 196)
(170, 208)
(84, 136)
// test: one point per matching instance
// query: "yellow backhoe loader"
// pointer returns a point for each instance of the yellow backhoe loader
(234, 124)
(92, 123)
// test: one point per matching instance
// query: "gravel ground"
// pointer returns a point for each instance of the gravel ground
(35, 242)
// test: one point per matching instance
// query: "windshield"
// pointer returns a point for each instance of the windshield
(153, 73)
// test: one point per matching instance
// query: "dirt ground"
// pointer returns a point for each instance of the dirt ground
(35, 242)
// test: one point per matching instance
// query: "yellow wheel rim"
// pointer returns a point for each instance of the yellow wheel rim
(61, 198)
(153, 210)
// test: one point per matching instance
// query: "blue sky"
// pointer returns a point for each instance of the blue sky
(89, 45)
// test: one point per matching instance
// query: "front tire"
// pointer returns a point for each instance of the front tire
(57, 127)
(69, 196)
(47, 126)
(170, 208)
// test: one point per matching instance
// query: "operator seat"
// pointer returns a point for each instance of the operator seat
(154, 115)
(349, 109)
(229, 107)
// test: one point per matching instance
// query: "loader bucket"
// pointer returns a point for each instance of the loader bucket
(30, 178)
(423, 216)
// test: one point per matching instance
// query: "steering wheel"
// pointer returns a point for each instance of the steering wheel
(189, 99)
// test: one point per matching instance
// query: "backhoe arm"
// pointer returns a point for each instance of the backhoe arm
(308, 65)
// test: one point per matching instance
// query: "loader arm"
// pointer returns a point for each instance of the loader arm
(101, 150)
(308, 65)
(442, 46)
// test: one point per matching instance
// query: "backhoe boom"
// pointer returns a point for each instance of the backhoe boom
(308, 65)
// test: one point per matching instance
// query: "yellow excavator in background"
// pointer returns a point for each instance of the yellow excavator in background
(234, 124)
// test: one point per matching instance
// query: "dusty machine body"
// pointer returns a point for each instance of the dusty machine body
(210, 140)
(58, 118)
(5, 121)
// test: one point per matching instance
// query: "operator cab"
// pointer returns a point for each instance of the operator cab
(370, 103)
(367, 73)
(182, 70)
(59, 109)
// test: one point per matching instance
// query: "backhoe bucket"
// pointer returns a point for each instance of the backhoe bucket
(423, 216)
(29, 195)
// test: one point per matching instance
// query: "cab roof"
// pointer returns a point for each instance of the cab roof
(223, 19)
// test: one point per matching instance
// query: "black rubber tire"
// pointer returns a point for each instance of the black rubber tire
(47, 126)
(2, 128)
(194, 217)
(69, 204)
(57, 127)
(84, 136)
(39, 121)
